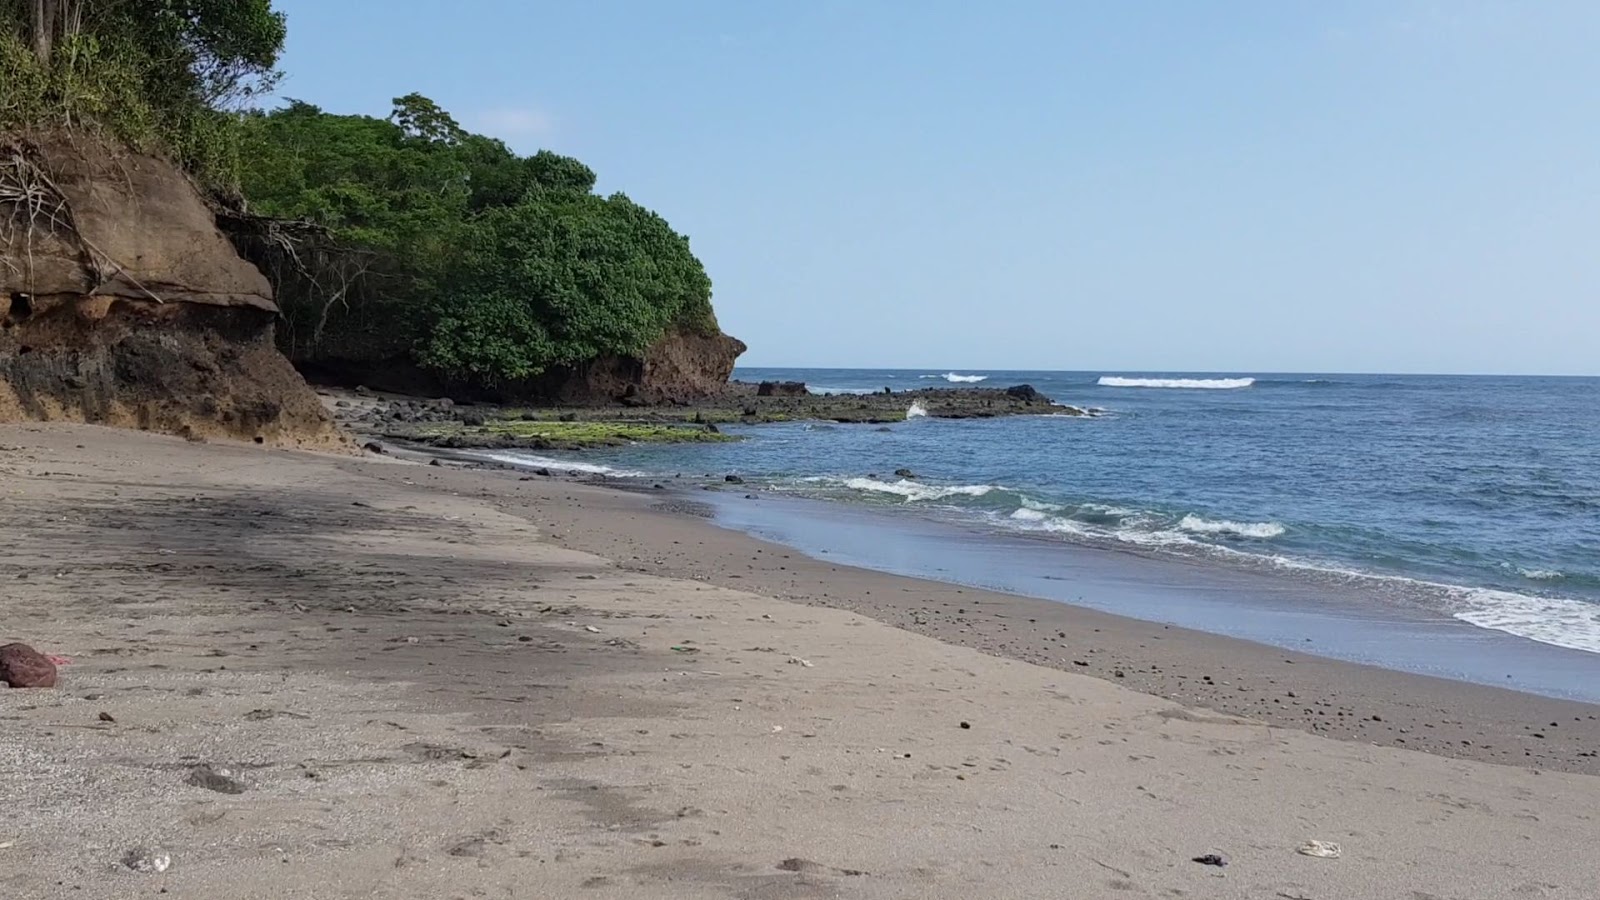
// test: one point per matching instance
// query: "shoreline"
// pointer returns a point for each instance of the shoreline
(1284, 687)
(438, 681)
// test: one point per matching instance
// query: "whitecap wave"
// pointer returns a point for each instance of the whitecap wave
(916, 410)
(1198, 383)
(1196, 525)
(914, 491)
(1541, 574)
(958, 378)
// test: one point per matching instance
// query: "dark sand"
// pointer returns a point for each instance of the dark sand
(646, 532)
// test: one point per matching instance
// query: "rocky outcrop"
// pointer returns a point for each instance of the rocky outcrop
(682, 367)
(782, 389)
(122, 304)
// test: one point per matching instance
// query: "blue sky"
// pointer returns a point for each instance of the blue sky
(1396, 186)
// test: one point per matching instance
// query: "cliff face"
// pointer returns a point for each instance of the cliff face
(122, 304)
(682, 367)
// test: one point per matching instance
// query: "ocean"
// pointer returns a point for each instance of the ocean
(1475, 499)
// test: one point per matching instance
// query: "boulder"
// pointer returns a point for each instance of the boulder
(1026, 393)
(781, 389)
(22, 666)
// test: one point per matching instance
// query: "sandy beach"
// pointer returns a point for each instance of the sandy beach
(439, 682)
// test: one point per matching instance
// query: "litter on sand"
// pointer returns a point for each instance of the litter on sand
(1320, 849)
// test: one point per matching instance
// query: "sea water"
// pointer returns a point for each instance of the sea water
(1474, 498)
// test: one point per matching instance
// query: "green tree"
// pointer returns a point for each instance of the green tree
(158, 74)
(420, 238)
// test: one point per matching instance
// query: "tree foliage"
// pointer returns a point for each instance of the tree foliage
(158, 74)
(487, 267)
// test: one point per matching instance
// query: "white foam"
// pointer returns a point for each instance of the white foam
(528, 460)
(1200, 383)
(1540, 574)
(917, 410)
(825, 391)
(1030, 515)
(1195, 524)
(1548, 620)
(913, 491)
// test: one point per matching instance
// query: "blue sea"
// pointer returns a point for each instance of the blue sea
(1471, 499)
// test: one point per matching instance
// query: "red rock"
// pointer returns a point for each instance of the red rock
(22, 666)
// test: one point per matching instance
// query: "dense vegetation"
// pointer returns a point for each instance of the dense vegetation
(156, 74)
(485, 266)
(398, 238)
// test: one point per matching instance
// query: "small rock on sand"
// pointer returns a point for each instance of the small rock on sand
(147, 860)
(22, 666)
(223, 781)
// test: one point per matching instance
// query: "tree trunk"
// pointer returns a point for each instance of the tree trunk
(46, 15)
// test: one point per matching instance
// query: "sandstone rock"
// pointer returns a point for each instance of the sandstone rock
(22, 666)
(132, 309)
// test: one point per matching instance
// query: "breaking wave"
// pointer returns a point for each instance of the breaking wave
(958, 378)
(914, 491)
(1197, 525)
(916, 410)
(1201, 383)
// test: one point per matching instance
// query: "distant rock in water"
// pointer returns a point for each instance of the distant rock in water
(781, 389)
(1027, 394)
(121, 303)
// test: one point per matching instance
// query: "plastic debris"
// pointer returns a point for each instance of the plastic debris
(591, 628)
(797, 661)
(1320, 849)
(147, 860)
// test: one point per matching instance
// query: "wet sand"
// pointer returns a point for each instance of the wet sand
(443, 683)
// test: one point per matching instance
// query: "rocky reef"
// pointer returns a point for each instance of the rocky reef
(122, 304)
(449, 424)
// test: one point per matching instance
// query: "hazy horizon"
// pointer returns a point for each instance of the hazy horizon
(1124, 371)
(1391, 187)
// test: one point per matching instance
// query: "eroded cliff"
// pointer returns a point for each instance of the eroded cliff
(122, 304)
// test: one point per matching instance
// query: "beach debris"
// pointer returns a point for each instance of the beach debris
(679, 648)
(591, 629)
(223, 781)
(797, 661)
(1212, 859)
(21, 666)
(795, 864)
(776, 729)
(1320, 849)
(147, 860)
(7, 845)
